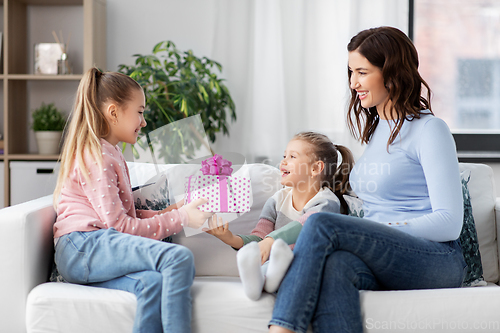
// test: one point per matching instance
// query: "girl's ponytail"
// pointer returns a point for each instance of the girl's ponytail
(334, 176)
(341, 177)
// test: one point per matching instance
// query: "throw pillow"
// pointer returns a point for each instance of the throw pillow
(354, 206)
(54, 275)
(469, 242)
(153, 195)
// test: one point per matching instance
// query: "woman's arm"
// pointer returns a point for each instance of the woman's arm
(437, 156)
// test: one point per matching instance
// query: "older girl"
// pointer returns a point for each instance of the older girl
(97, 227)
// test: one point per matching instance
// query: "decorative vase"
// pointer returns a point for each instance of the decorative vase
(48, 142)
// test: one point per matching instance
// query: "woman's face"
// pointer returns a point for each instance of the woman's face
(368, 82)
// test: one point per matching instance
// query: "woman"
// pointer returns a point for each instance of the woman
(409, 181)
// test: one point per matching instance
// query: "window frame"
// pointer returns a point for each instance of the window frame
(472, 146)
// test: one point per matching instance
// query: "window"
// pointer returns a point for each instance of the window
(459, 51)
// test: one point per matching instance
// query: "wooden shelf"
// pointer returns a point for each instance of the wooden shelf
(28, 77)
(53, 2)
(22, 27)
(32, 157)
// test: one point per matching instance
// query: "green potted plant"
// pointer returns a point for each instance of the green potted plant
(177, 84)
(48, 124)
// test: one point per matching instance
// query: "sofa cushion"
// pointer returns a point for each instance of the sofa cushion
(219, 305)
(65, 307)
(432, 310)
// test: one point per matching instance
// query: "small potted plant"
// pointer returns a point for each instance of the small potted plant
(48, 124)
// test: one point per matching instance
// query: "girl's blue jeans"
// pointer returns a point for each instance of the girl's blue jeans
(338, 255)
(159, 274)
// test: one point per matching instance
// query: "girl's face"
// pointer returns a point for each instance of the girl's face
(296, 166)
(368, 82)
(128, 119)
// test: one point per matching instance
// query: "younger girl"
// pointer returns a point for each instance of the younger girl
(313, 183)
(97, 225)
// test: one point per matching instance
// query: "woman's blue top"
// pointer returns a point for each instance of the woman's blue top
(414, 184)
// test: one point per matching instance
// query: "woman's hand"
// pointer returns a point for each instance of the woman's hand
(265, 248)
(217, 228)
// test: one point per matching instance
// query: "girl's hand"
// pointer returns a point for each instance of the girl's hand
(217, 228)
(265, 249)
(196, 216)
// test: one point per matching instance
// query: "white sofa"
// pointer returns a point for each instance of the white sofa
(29, 303)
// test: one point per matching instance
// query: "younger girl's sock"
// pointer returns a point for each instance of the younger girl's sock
(279, 260)
(248, 260)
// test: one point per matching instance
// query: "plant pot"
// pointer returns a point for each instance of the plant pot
(48, 142)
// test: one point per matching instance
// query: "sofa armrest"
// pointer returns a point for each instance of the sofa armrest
(26, 251)
(497, 210)
(497, 220)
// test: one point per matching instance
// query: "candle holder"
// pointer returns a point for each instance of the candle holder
(63, 66)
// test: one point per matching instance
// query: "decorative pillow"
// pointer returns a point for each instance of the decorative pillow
(469, 242)
(54, 275)
(354, 206)
(153, 195)
(468, 235)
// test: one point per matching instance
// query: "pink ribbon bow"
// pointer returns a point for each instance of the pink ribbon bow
(216, 165)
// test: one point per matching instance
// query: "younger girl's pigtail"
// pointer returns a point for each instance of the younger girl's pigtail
(341, 177)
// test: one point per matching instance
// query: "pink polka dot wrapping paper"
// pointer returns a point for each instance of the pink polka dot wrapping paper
(226, 194)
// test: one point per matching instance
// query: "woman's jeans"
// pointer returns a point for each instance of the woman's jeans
(338, 255)
(159, 274)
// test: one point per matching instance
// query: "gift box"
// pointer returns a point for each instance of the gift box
(226, 193)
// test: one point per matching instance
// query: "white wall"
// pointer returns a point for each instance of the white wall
(226, 31)
(136, 26)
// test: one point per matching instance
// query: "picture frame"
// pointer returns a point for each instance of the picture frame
(46, 56)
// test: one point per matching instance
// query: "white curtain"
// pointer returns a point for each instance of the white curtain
(285, 62)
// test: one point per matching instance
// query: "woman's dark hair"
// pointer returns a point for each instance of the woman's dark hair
(334, 176)
(394, 53)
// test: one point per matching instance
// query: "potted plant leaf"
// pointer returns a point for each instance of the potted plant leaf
(177, 84)
(48, 124)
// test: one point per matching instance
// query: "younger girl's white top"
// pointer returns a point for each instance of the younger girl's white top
(414, 184)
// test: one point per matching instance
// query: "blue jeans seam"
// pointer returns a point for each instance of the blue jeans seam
(400, 246)
(284, 324)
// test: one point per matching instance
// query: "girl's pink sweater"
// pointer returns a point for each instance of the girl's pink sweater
(105, 201)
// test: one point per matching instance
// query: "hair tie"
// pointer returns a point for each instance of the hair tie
(98, 73)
